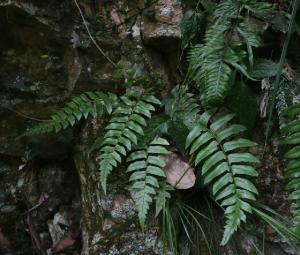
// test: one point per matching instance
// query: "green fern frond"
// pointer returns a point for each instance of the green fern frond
(223, 166)
(88, 104)
(213, 69)
(292, 129)
(127, 122)
(182, 106)
(213, 62)
(261, 10)
(146, 168)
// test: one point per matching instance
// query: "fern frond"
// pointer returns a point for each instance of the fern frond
(182, 106)
(127, 122)
(292, 129)
(227, 9)
(146, 168)
(213, 68)
(88, 104)
(223, 166)
(262, 10)
(212, 63)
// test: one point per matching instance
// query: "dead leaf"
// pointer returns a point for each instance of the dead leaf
(179, 173)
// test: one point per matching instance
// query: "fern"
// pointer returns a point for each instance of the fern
(234, 8)
(88, 104)
(127, 122)
(293, 156)
(182, 106)
(146, 167)
(224, 167)
(213, 62)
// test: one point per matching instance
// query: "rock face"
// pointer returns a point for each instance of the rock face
(160, 25)
(50, 200)
(49, 184)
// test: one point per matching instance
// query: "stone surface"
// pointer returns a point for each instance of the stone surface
(160, 25)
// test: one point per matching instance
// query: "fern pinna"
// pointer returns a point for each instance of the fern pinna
(292, 129)
(217, 152)
(146, 168)
(122, 132)
(88, 104)
(226, 44)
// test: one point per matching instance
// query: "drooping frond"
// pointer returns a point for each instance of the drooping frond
(216, 151)
(88, 104)
(292, 129)
(127, 122)
(146, 168)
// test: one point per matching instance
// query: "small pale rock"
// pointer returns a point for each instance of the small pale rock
(179, 173)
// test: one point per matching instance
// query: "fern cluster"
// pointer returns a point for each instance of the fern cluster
(292, 130)
(216, 151)
(228, 41)
(126, 124)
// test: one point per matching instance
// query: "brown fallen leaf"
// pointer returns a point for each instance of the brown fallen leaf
(3, 239)
(179, 173)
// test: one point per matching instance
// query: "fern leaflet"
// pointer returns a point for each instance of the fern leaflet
(224, 167)
(146, 167)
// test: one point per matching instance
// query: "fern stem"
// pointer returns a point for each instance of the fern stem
(280, 66)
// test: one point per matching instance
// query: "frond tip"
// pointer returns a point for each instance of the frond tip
(88, 104)
(225, 168)
(146, 168)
